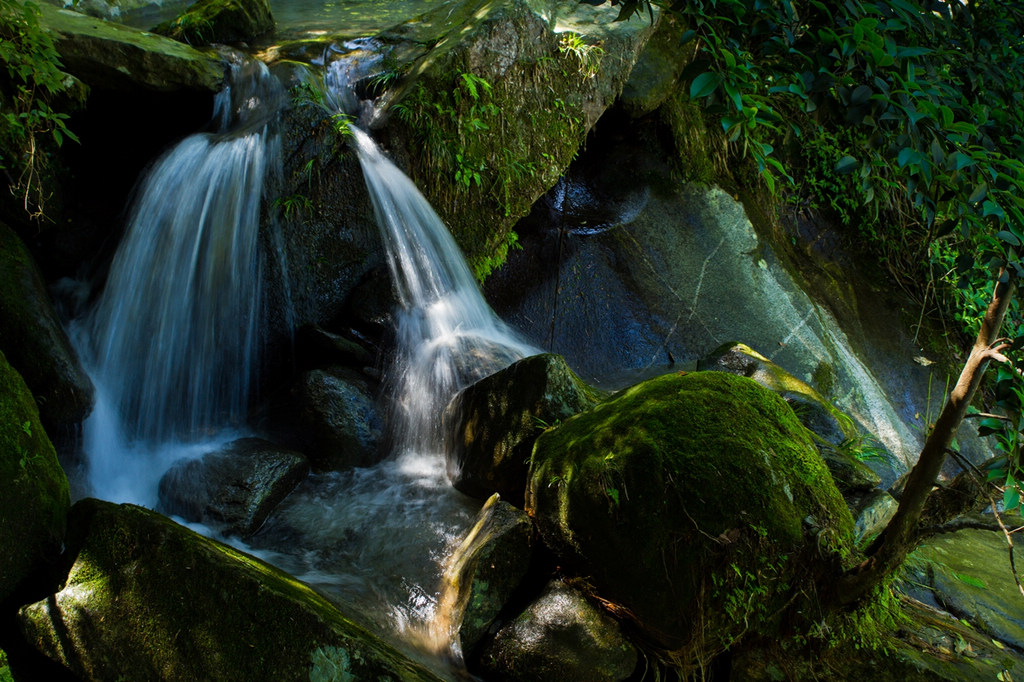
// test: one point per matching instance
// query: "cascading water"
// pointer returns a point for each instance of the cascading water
(172, 341)
(448, 337)
(402, 514)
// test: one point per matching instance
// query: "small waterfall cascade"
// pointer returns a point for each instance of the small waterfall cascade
(448, 337)
(172, 341)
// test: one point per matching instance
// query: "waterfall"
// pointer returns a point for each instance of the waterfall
(172, 341)
(448, 337)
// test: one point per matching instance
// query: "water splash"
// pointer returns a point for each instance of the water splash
(172, 342)
(448, 337)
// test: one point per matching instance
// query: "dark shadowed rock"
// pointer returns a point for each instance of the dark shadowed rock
(333, 419)
(34, 341)
(237, 486)
(493, 423)
(147, 599)
(560, 637)
(487, 568)
(33, 488)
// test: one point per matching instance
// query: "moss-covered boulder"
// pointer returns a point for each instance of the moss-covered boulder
(220, 21)
(33, 488)
(34, 340)
(835, 431)
(115, 57)
(655, 77)
(690, 501)
(147, 599)
(235, 487)
(560, 637)
(499, 103)
(493, 424)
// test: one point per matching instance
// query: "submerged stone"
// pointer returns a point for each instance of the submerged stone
(684, 490)
(149, 599)
(493, 424)
(34, 341)
(33, 489)
(560, 637)
(237, 486)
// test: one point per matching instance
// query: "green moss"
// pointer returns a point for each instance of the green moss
(5, 671)
(723, 494)
(33, 488)
(148, 599)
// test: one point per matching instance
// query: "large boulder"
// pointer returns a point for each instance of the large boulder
(560, 637)
(149, 599)
(220, 21)
(112, 56)
(492, 424)
(236, 487)
(499, 103)
(682, 491)
(836, 435)
(33, 489)
(34, 341)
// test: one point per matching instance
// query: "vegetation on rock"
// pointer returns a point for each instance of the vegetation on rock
(697, 505)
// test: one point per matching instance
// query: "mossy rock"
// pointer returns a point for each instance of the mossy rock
(147, 599)
(34, 340)
(493, 424)
(115, 57)
(693, 502)
(220, 21)
(33, 489)
(497, 107)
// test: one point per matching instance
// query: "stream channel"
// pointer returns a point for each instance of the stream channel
(172, 345)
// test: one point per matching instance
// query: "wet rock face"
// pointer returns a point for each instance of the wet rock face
(332, 418)
(493, 424)
(238, 486)
(484, 153)
(149, 599)
(707, 461)
(33, 489)
(560, 637)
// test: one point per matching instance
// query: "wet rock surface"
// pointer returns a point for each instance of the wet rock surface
(236, 487)
(560, 637)
(493, 424)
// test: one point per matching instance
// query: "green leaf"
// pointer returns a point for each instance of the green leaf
(979, 193)
(847, 165)
(1011, 496)
(704, 84)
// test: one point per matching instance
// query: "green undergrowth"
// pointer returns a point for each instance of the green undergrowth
(493, 147)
